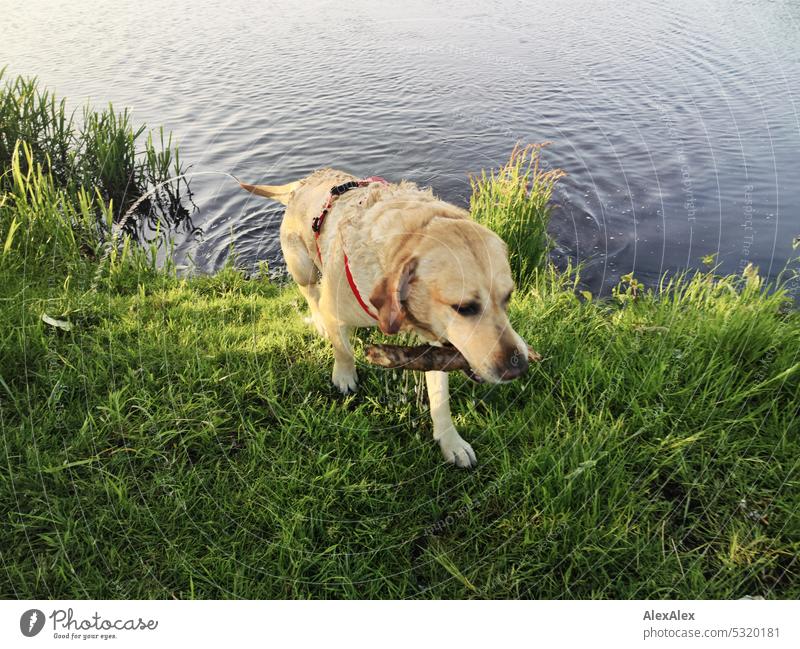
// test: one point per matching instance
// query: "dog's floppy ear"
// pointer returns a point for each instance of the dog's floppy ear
(389, 294)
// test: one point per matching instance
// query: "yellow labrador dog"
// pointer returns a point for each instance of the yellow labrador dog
(370, 253)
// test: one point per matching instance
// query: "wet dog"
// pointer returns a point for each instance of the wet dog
(370, 253)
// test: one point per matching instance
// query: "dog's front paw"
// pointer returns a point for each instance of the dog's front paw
(345, 379)
(457, 451)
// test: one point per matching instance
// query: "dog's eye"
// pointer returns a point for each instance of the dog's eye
(468, 309)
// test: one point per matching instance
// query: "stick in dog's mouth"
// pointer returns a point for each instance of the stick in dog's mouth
(427, 358)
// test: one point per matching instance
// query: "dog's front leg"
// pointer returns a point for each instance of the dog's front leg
(454, 448)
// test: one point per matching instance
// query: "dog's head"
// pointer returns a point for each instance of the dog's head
(451, 281)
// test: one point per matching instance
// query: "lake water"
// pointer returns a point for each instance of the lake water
(676, 122)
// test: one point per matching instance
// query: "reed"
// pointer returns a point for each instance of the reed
(515, 202)
(103, 151)
(42, 225)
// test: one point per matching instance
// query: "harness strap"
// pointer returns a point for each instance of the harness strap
(354, 288)
(316, 227)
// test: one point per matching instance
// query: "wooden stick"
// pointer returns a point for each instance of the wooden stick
(425, 358)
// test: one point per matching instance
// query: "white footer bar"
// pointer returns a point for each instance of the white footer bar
(372, 624)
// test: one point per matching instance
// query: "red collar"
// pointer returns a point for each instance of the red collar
(316, 226)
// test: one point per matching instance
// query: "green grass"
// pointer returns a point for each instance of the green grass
(182, 438)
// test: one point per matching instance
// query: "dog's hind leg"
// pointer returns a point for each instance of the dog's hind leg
(311, 293)
(454, 448)
(304, 272)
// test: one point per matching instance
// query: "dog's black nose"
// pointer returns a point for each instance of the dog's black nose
(515, 367)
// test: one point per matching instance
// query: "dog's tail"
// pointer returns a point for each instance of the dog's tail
(280, 193)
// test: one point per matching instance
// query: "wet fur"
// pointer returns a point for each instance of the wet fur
(415, 258)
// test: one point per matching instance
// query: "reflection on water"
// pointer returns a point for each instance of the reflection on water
(164, 214)
(676, 122)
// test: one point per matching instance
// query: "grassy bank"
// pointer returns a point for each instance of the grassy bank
(167, 437)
